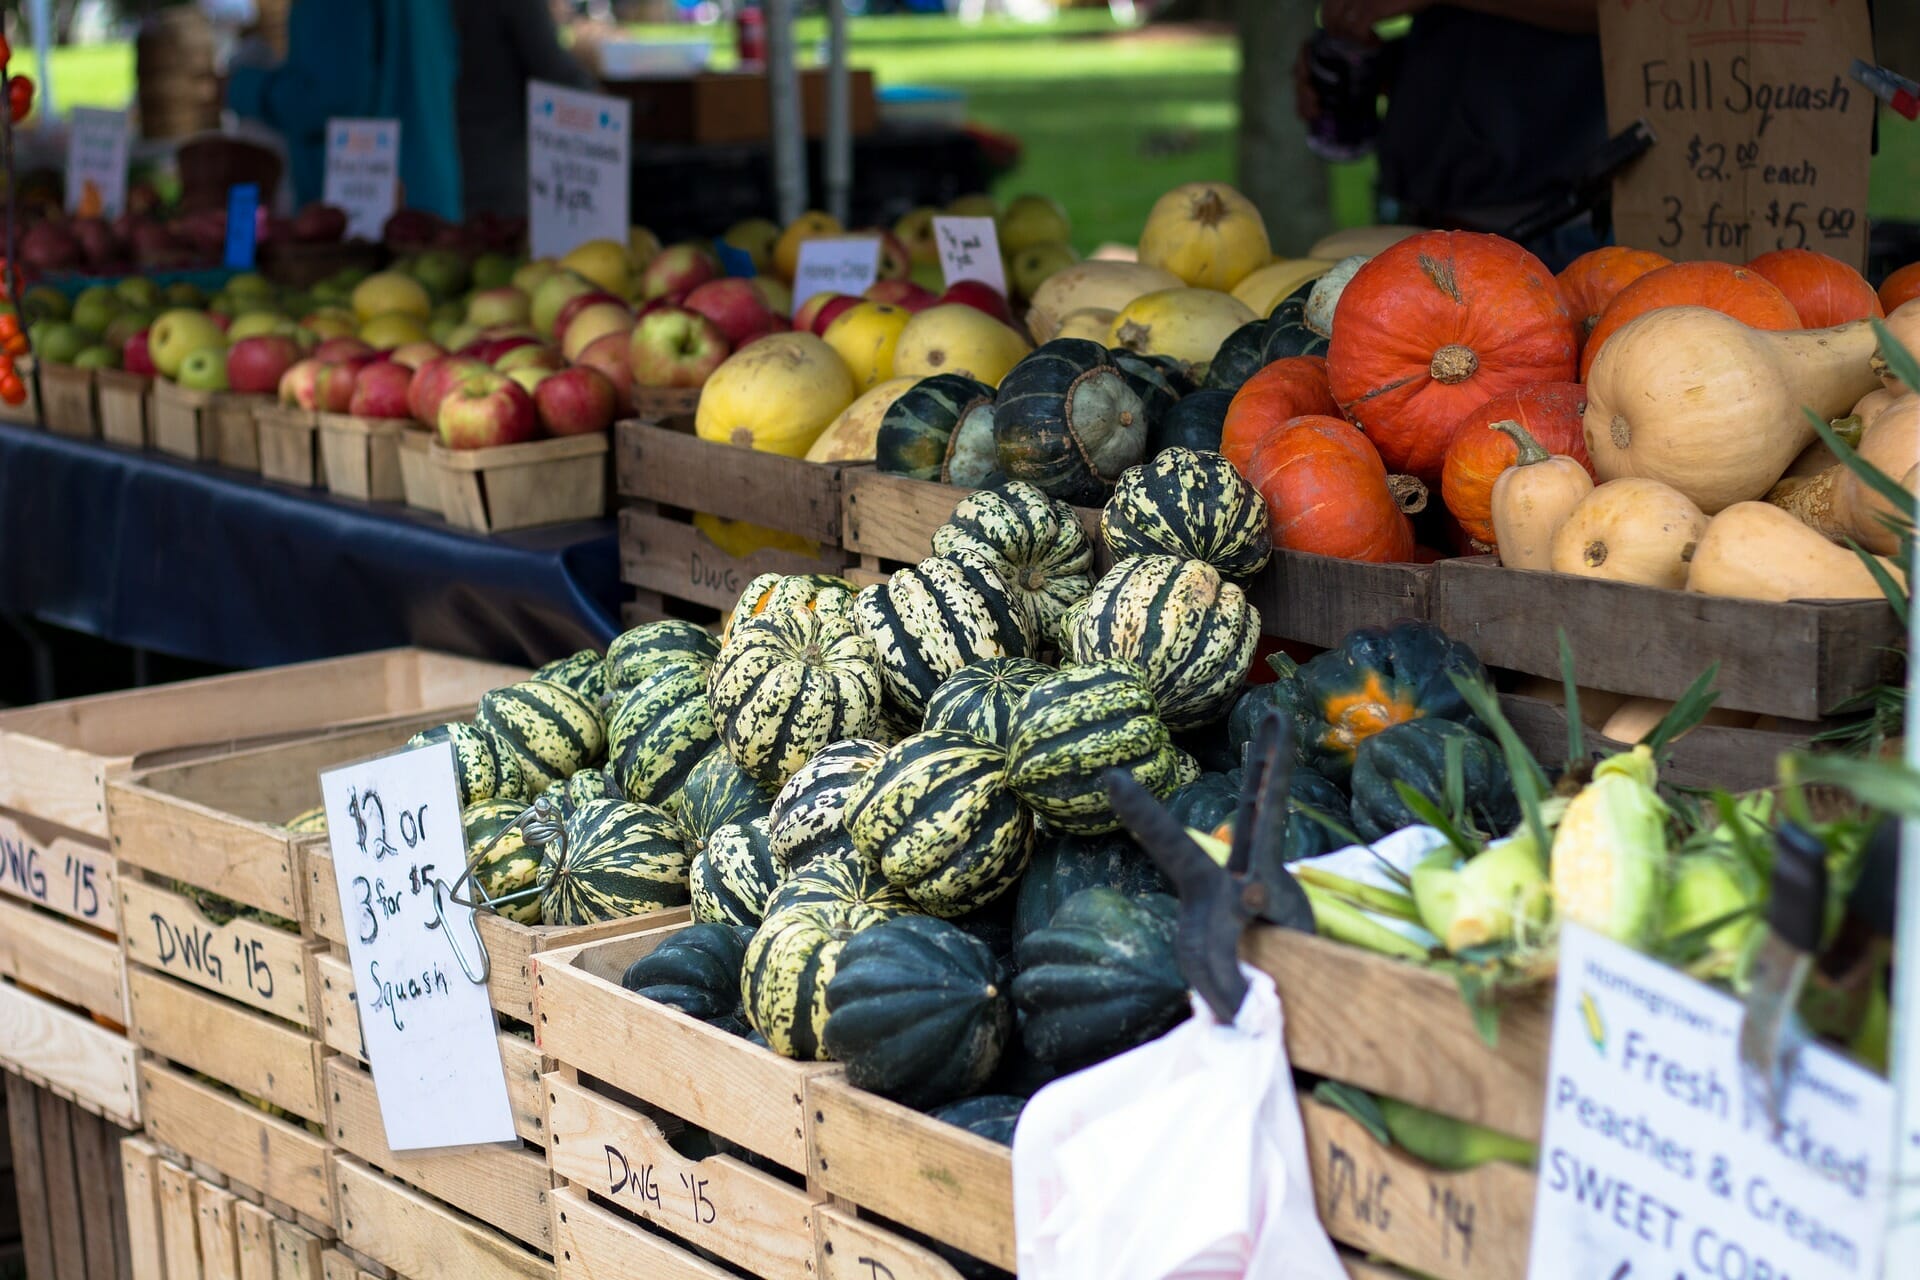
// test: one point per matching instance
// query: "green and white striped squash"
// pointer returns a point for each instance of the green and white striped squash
(612, 860)
(807, 814)
(792, 958)
(734, 875)
(772, 592)
(979, 700)
(551, 731)
(1189, 630)
(931, 619)
(584, 672)
(1038, 545)
(1191, 504)
(501, 860)
(840, 875)
(482, 768)
(635, 653)
(916, 432)
(660, 729)
(588, 784)
(715, 793)
(789, 683)
(938, 816)
(1074, 726)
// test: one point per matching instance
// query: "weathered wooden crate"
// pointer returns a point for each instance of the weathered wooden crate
(665, 475)
(419, 1236)
(285, 1162)
(1800, 660)
(123, 398)
(1734, 759)
(888, 520)
(67, 393)
(195, 1224)
(521, 486)
(72, 1217)
(290, 445)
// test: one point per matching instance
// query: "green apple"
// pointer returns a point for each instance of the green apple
(294, 302)
(205, 370)
(175, 335)
(1030, 267)
(250, 285)
(224, 304)
(330, 291)
(457, 337)
(452, 309)
(184, 293)
(492, 270)
(95, 308)
(97, 356)
(529, 276)
(443, 271)
(1030, 220)
(60, 342)
(440, 330)
(254, 324)
(138, 291)
(554, 293)
(43, 302)
(125, 325)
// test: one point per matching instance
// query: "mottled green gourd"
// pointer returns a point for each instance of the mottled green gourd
(980, 699)
(938, 816)
(635, 653)
(584, 672)
(772, 592)
(1038, 545)
(1101, 978)
(612, 860)
(660, 729)
(551, 731)
(839, 877)
(1067, 420)
(734, 874)
(789, 683)
(501, 860)
(808, 813)
(482, 768)
(928, 621)
(1074, 726)
(1189, 631)
(1192, 505)
(917, 430)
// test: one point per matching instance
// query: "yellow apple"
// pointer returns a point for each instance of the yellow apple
(390, 291)
(865, 335)
(605, 263)
(595, 320)
(915, 230)
(1031, 220)
(642, 247)
(977, 205)
(392, 329)
(754, 237)
(812, 225)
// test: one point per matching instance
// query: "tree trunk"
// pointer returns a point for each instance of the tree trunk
(1277, 172)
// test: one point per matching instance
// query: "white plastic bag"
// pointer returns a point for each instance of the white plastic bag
(1181, 1160)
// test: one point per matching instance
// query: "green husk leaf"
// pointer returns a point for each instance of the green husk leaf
(1357, 1104)
(1529, 780)
(1686, 713)
(1889, 586)
(1879, 784)
(1429, 812)
(1576, 728)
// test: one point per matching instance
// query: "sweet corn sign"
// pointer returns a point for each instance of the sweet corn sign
(1655, 1164)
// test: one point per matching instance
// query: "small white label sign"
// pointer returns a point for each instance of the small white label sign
(578, 149)
(97, 142)
(970, 250)
(394, 826)
(363, 173)
(1653, 1165)
(843, 264)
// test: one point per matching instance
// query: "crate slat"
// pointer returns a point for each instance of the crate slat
(179, 1232)
(679, 469)
(63, 1187)
(592, 1243)
(64, 960)
(674, 558)
(139, 1168)
(84, 1060)
(259, 966)
(247, 1050)
(852, 1249)
(421, 1238)
(219, 1241)
(282, 1160)
(73, 877)
(253, 1241)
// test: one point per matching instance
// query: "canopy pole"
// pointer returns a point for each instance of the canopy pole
(42, 15)
(839, 141)
(788, 131)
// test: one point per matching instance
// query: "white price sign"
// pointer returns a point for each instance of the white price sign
(1655, 1165)
(394, 826)
(844, 264)
(363, 173)
(579, 147)
(97, 143)
(970, 250)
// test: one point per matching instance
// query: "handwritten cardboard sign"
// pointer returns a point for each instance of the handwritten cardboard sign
(842, 264)
(97, 141)
(578, 150)
(363, 173)
(1761, 137)
(394, 825)
(1653, 1162)
(970, 250)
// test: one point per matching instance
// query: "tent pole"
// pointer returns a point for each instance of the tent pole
(787, 128)
(839, 142)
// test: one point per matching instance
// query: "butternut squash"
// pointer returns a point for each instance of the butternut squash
(1903, 322)
(1635, 718)
(1874, 403)
(1596, 705)
(1532, 499)
(1840, 505)
(1756, 551)
(1697, 400)
(1631, 530)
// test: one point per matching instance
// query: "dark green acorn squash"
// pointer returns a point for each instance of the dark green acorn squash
(1101, 978)
(917, 428)
(1306, 837)
(917, 1011)
(1150, 380)
(1376, 678)
(991, 1116)
(1209, 747)
(1066, 419)
(1251, 707)
(1194, 423)
(973, 456)
(1416, 753)
(1288, 334)
(1241, 356)
(1207, 803)
(697, 971)
(1190, 504)
(1064, 865)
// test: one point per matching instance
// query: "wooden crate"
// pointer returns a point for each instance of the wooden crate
(1732, 759)
(419, 481)
(361, 456)
(588, 1023)
(188, 1222)
(421, 1237)
(283, 1161)
(290, 445)
(233, 419)
(67, 393)
(521, 486)
(69, 1053)
(1800, 660)
(179, 424)
(888, 519)
(73, 1218)
(258, 1055)
(123, 398)
(243, 960)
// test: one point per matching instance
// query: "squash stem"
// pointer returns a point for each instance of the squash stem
(1531, 450)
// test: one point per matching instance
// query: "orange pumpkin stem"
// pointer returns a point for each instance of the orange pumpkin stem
(1531, 450)
(1409, 494)
(1453, 363)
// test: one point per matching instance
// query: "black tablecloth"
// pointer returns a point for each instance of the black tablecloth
(224, 568)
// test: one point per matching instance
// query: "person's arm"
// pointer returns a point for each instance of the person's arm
(328, 72)
(1354, 19)
(530, 27)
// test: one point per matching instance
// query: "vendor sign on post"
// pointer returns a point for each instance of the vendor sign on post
(363, 173)
(1760, 134)
(1655, 1161)
(578, 149)
(398, 846)
(97, 162)
(970, 250)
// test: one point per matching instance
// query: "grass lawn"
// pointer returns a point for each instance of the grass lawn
(1108, 119)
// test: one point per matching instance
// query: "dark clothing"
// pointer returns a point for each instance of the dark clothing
(503, 45)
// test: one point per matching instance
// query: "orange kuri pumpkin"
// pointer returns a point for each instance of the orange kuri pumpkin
(1436, 325)
(1328, 493)
(1551, 412)
(1824, 291)
(1747, 296)
(1591, 280)
(1289, 388)
(1900, 288)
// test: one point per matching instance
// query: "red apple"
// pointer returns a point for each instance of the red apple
(810, 310)
(904, 294)
(981, 297)
(831, 310)
(575, 305)
(220, 322)
(529, 357)
(487, 350)
(675, 348)
(415, 354)
(300, 385)
(135, 358)
(431, 382)
(483, 409)
(575, 402)
(611, 354)
(334, 349)
(381, 391)
(337, 381)
(736, 308)
(256, 365)
(679, 268)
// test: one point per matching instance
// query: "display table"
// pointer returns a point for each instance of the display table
(224, 568)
